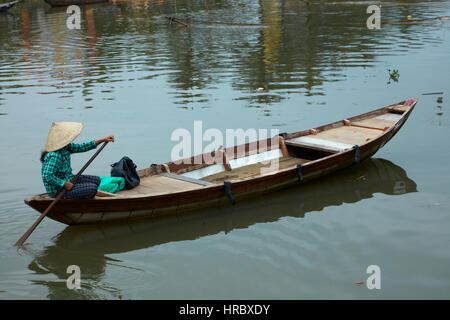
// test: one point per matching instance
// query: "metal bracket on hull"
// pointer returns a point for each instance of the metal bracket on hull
(357, 157)
(227, 186)
(299, 173)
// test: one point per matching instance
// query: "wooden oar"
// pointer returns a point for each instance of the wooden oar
(20, 242)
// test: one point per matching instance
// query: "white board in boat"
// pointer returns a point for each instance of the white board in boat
(204, 172)
(235, 163)
(255, 158)
(321, 143)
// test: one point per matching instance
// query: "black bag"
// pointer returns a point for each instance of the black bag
(126, 168)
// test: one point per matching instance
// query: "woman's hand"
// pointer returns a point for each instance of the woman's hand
(68, 185)
(109, 138)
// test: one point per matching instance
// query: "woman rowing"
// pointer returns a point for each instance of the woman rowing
(56, 170)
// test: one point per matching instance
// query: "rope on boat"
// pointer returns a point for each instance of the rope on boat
(299, 173)
(356, 148)
(227, 186)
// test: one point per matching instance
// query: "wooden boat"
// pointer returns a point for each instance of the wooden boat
(176, 187)
(6, 6)
(65, 3)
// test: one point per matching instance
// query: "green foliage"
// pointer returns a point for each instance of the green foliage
(393, 75)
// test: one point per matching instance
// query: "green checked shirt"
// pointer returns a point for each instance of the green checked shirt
(56, 167)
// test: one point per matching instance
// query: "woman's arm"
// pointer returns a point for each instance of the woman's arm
(83, 147)
(109, 138)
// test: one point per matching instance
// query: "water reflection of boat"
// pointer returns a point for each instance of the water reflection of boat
(64, 3)
(238, 172)
(348, 186)
(6, 6)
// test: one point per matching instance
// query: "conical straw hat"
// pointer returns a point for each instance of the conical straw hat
(61, 134)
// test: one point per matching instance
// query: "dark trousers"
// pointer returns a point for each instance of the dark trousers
(84, 188)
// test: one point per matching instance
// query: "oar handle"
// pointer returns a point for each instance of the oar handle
(22, 239)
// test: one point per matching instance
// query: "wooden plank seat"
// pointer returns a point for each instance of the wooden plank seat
(318, 144)
(340, 138)
(376, 123)
(348, 135)
(254, 170)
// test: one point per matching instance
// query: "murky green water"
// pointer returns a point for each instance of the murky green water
(128, 71)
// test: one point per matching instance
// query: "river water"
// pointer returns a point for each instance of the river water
(130, 72)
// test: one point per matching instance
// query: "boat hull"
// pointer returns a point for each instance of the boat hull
(73, 212)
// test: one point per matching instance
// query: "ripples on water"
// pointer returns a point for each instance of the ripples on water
(289, 47)
(128, 69)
